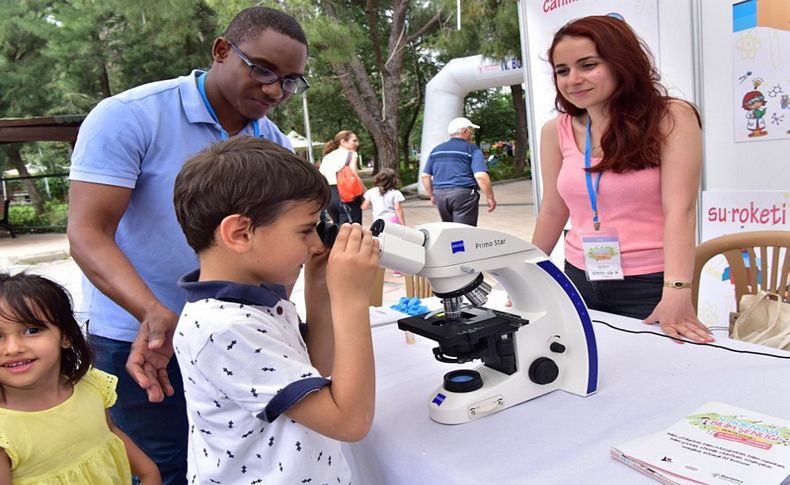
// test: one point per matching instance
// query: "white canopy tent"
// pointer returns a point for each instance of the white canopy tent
(301, 144)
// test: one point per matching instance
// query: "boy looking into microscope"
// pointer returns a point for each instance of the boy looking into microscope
(259, 400)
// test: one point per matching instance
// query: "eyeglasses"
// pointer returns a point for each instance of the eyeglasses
(266, 76)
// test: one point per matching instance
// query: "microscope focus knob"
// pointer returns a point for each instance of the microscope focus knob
(543, 371)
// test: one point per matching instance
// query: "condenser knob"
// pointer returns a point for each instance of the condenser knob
(543, 371)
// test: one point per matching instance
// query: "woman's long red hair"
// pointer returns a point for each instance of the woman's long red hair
(639, 104)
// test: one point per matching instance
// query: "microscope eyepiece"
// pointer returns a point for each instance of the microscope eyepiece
(327, 232)
(401, 247)
(377, 227)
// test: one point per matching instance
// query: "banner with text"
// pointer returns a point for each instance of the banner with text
(727, 212)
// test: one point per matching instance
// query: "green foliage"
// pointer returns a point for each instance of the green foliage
(409, 175)
(493, 110)
(502, 168)
(488, 27)
(58, 188)
(55, 215)
(66, 56)
(62, 57)
(23, 35)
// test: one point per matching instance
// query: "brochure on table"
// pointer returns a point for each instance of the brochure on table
(716, 444)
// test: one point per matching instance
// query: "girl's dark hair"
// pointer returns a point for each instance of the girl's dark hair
(386, 180)
(334, 143)
(638, 105)
(35, 300)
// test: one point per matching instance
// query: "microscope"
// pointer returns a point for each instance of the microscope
(545, 342)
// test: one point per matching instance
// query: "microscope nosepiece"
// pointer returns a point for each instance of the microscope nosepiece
(479, 296)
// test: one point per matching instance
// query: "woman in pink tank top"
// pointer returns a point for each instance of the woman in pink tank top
(623, 161)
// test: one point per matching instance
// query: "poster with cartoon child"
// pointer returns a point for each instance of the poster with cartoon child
(761, 63)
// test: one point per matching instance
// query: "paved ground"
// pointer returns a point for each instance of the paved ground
(47, 254)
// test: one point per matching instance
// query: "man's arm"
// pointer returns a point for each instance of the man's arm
(484, 181)
(427, 184)
(94, 213)
(480, 172)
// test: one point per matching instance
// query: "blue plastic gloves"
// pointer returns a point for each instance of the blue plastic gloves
(410, 306)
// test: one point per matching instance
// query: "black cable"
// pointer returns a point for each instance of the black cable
(766, 354)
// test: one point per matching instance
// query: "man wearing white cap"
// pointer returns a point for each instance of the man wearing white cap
(454, 172)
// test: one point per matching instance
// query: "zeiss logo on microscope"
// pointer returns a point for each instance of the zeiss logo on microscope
(457, 246)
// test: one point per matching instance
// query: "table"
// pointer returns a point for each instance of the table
(646, 383)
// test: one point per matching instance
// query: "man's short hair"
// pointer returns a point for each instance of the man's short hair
(243, 175)
(251, 22)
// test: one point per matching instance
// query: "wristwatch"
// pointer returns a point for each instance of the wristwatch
(678, 285)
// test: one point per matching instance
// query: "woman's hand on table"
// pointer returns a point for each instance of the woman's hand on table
(676, 316)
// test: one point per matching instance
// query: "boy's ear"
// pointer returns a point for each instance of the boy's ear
(235, 232)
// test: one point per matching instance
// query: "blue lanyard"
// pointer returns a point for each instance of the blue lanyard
(593, 193)
(222, 133)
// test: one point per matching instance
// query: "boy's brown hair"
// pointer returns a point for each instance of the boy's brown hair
(244, 175)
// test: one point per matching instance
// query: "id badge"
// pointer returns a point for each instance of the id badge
(602, 255)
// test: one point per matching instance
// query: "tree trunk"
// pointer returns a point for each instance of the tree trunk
(387, 146)
(420, 86)
(377, 108)
(15, 156)
(376, 162)
(520, 150)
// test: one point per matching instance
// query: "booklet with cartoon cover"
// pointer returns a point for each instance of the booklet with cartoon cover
(716, 444)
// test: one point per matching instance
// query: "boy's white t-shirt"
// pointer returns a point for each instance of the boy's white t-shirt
(244, 363)
(384, 205)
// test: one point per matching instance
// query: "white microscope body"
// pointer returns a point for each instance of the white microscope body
(545, 342)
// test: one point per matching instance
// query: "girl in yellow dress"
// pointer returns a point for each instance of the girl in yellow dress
(54, 426)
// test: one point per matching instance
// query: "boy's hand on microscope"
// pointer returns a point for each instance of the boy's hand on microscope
(353, 262)
(315, 268)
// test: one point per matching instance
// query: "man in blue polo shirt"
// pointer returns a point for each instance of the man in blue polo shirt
(454, 171)
(122, 226)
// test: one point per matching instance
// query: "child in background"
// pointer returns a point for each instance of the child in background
(259, 400)
(385, 198)
(54, 427)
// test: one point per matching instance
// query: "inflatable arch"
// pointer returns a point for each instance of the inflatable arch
(445, 93)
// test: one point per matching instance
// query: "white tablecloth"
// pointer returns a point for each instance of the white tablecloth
(646, 383)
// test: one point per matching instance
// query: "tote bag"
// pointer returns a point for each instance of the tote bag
(349, 186)
(764, 319)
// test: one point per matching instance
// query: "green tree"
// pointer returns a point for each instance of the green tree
(364, 45)
(26, 73)
(493, 110)
(103, 48)
(62, 57)
(491, 28)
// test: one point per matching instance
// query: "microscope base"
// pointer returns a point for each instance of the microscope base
(500, 391)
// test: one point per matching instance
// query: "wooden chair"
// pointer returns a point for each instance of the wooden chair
(377, 293)
(5, 222)
(761, 251)
(417, 286)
